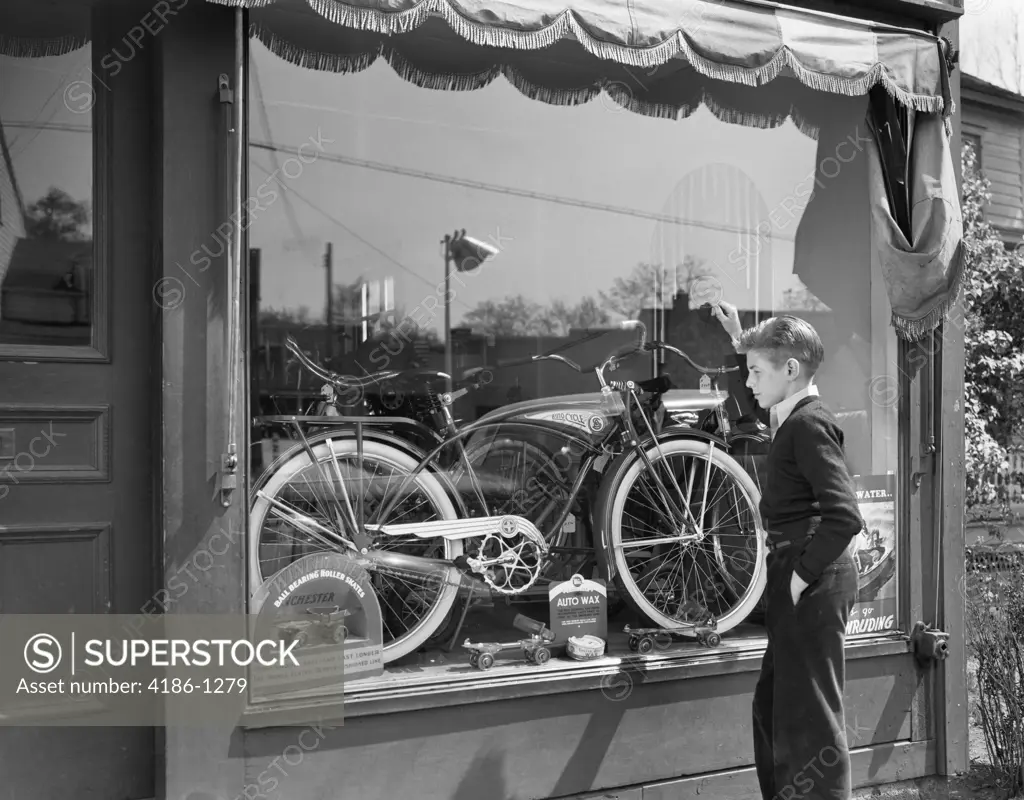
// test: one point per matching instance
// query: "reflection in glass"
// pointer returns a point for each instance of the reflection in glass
(579, 218)
(46, 181)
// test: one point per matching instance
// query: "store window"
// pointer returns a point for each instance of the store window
(421, 241)
(46, 186)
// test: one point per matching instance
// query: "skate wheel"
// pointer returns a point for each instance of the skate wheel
(712, 640)
(634, 643)
(474, 660)
(645, 645)
(486, 661)
(542, 656)
(531, 656)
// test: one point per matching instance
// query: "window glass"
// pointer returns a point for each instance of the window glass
(415, 241)
(46, 183)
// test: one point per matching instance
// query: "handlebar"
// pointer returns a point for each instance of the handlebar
(618, 354)
(346, 382)
(502, 363)
(690, 361)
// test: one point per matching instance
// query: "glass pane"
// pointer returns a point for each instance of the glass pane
(46, 184)
(410, 239)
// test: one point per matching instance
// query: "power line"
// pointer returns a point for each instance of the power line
(50, 126)
(508, 190)
(356, 236)
(289, 209)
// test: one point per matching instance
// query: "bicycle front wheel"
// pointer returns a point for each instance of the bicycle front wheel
(300, 509)
(683, 538)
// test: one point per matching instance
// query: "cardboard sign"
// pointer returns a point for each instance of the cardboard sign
(324, 603)
(876, 557)
(578, 607)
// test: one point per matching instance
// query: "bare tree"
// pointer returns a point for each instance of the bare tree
(512, 316)
(628, 296)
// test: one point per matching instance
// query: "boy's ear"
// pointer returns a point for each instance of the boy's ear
(792, 368)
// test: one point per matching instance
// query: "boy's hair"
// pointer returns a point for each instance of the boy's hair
(783, 338)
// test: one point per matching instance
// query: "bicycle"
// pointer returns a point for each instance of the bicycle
(421, 564)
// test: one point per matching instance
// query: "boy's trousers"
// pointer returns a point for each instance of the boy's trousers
(800, 746)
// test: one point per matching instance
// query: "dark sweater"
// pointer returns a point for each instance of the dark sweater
(807, 477)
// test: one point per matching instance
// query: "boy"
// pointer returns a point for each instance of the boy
(810, 513)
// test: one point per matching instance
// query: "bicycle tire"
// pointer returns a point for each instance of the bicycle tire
(611, 505)
(402, 462)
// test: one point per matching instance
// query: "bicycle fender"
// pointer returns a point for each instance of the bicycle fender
(621, 463)
(683, 432)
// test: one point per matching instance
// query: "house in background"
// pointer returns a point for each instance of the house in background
(44, 283)
(992, 105)
(993, 121)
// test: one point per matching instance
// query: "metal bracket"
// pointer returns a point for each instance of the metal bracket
(229, 477)
(926, 465)
(930, 644)
(224, 89)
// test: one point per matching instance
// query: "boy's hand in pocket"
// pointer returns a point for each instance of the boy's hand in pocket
(797, 585)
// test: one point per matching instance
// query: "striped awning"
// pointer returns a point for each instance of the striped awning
(632, 47)
(744, 42)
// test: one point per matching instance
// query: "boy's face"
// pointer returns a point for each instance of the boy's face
(768, 382)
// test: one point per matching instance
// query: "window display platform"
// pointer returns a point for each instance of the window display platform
(493, 623)
(436, 677)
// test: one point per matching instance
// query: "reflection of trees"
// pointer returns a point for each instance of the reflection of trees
(630, 295)
(801, 300)
(517, 316)
(643, 287)
(57, 217)
(299, 316)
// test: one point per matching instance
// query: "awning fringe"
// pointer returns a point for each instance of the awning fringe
(566, 25)
(614, 90)
(23, 47)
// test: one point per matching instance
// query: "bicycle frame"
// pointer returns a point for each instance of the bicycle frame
(591, 454)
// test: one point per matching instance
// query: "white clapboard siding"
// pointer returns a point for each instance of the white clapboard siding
(1002, 160)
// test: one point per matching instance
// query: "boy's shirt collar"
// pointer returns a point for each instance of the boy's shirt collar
(780, 411)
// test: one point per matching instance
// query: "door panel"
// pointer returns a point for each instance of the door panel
(76, 494)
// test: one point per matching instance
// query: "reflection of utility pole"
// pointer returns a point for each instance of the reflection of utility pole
(254, 331)
(329, 269)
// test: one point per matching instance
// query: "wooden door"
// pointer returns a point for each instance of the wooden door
(76, 424)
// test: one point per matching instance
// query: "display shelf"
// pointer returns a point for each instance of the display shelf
(435, 678)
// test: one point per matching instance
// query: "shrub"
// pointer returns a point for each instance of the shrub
(995, 640)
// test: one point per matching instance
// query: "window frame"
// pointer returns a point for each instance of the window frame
(375, 698)
(98, 351)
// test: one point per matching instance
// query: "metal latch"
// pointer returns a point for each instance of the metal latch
(926, 464)
(930, 644)
(229, 477)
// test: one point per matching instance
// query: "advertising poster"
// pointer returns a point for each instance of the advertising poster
(579, 607)
(875, 556)
(324, 605)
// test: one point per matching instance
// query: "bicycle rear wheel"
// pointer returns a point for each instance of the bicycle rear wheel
(299, 510)
(683, 540)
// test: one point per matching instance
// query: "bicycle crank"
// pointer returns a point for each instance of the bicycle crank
(510, 555)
